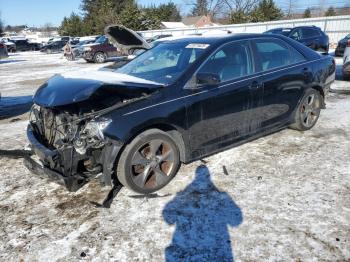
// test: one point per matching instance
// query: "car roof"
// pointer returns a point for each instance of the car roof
(211, 39)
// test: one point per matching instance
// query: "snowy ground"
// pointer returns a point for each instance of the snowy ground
(282, 197)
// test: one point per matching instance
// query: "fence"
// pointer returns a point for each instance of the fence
(335, 26)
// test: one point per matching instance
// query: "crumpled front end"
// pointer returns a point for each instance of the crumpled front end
(70, 149)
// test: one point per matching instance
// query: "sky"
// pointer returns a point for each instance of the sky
(40, 12)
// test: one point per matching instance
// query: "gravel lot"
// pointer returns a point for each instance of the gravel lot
(282, 197)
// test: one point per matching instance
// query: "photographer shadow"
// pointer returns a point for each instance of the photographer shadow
(202, 215)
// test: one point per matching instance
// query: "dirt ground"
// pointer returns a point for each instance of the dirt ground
(284, 197)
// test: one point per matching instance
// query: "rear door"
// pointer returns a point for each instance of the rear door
(284, 74)
(219, 115)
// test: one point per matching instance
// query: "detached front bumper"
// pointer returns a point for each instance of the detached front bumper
(87, 55)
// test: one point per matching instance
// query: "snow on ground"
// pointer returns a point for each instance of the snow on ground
(282, 197)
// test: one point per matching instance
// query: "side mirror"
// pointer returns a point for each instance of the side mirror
(207, 79)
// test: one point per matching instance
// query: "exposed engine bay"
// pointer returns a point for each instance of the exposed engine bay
(68, 138)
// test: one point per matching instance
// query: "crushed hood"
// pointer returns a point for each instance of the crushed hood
(92, 87)
(125, 38)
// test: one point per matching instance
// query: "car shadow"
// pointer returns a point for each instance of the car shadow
(12, 106)
(202, 215)
(11, 61)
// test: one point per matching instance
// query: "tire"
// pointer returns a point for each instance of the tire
(308, 110)
(144, 171)
(100, 57)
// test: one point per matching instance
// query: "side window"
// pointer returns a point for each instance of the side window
(231, 61)
(273, 54)
(296, 57)
(309, 32)
(296, 35)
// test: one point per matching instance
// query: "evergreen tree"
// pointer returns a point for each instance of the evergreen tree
(239, 17)
(307, 13)
(132, 17)
(330, 12)
(72, 26)
(168, 12)
(266, 10)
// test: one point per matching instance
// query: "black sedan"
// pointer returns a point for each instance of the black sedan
(339, 51)
(25, 45)
(178, 102)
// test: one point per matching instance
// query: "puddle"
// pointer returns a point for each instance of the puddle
(14, 106)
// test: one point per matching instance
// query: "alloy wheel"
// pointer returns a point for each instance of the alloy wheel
(100, 58)
(152, 164)
(310, 110)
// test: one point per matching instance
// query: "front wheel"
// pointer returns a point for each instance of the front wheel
(308, 111)
(149, 162)
(100, 57)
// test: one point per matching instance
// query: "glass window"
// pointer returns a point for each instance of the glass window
(309, 32)
(165, 62)
(296, 34)
(231, 61)
(296, 57)
(273, 54)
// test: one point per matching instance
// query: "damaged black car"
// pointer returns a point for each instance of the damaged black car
(180, 101)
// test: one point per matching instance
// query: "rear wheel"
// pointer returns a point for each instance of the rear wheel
(149, 162)
(99, 57)
(308, 110)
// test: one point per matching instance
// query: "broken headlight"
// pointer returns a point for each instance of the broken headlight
(91, 135)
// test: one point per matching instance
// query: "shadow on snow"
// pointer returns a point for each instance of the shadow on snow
(202, 215)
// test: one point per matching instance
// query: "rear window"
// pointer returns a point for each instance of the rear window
(274, 53)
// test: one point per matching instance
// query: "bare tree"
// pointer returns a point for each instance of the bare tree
(322, 7)
(290, 8)
(244, 6)
(215, 8)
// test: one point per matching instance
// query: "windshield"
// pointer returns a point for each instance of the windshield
(165, 62)
(101, 40)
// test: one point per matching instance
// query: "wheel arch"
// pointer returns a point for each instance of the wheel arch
(171, 130)
(321, 91)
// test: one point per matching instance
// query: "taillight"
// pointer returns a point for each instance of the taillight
(348, 43)
(2, 46)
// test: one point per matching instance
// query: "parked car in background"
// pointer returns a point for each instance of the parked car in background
(54, 47)
(3, 51)
(78, 49)
(339, 51)
(346, 62)
(311, 36)
(180, 101)
(25, 45)
(100, 51)
(11, 46)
